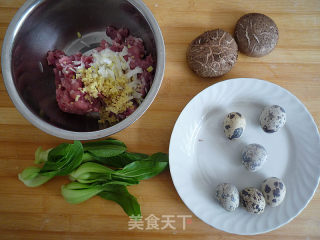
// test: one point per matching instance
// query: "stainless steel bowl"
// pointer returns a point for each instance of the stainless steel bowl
(42, 25)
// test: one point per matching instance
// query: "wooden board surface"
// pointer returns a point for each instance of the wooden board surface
(41, 213)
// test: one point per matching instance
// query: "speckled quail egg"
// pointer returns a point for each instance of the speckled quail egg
(274, 191)
(254, 156)
(253, 200)
(228, 196)
(234, 125)
(272, 118)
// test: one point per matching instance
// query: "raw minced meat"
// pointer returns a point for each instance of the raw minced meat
(112, 80)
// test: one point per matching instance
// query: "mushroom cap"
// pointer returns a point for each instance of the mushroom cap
(212, 54)
(256, 34)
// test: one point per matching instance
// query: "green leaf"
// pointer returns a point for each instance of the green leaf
(32, 177)
(64, 158)
(120, 195)
(122, 159)
(126, 180)
(135, 156)
(78, 192)
(105, 148)
(142, 170)
(58, 152)
(90, 167)
(41, 155)
(92, 177)
(91, 172)
(104, 151)
(160, 157)
(88, 157)
(98, 178)
(124, 183)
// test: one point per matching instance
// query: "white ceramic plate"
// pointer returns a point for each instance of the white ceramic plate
(201, 156)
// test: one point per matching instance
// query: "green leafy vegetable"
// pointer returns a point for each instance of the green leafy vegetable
(128, 182)
(121, 160)
(147, 168)
(120, 195)
(58, 161)
(41, 155)
(64, 158)
(92, 168)
(91, 172)
(159, 157)
(142, 170)
(32, 177)
(79, 192)
(88, 157)
(123, 180)
(88, 167)
(125, 158)
(105, 148)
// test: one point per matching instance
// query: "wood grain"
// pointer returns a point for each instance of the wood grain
(41, 213)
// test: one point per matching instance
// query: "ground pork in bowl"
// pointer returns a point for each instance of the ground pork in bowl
(83, 69)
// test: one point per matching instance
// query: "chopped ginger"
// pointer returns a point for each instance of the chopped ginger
(150, 69)
(110, 76)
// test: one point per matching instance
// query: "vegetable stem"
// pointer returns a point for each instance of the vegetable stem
(32, 177)
(41, 155)
(87, 157)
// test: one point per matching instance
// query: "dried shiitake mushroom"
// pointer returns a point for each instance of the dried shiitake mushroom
(256, 34)
(212, 54)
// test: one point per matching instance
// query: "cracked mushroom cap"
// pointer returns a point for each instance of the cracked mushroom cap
(256, 34)
(212, 54)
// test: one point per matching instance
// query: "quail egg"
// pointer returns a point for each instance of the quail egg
(253, 200)
(272, 118)
(274, 191)
(234, 125)
(228, 196)
(254, 156)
